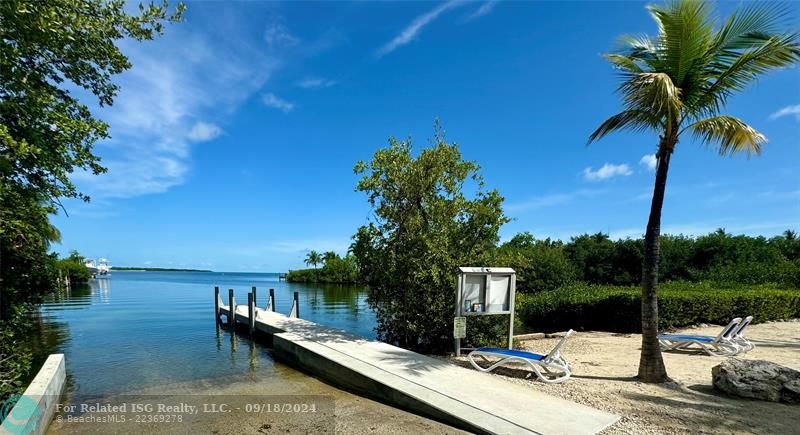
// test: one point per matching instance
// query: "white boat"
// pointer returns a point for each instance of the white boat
(99, 269)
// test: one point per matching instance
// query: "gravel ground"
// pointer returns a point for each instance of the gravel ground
(603, 366)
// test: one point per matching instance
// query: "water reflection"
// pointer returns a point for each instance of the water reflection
(144, 329)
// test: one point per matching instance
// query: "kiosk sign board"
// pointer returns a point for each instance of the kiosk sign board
(485, 291)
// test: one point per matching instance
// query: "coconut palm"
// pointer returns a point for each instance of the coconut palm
(676, 84)
(313, 258)
(328, 256)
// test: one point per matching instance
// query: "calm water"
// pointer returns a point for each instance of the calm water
(144, 329)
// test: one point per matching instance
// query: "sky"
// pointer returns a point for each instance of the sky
(234, 135)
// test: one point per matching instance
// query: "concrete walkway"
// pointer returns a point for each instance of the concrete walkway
(474, 401)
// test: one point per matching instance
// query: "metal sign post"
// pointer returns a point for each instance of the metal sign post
(483, 291)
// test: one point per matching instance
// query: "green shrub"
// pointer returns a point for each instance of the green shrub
(617, 309)
(74, 268)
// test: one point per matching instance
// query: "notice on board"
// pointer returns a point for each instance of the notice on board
(459, 327)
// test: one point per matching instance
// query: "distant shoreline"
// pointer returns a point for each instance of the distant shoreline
(157, 269)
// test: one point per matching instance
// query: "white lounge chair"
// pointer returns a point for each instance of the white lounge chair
(738, 336)
(552, 364)
(721, 345)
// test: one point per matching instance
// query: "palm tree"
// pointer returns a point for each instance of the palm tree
(313, 258)
(678, 82)
(328, 256)
(789, 235)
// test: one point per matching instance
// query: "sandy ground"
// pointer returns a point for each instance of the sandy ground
(336, 411)
(603, 366)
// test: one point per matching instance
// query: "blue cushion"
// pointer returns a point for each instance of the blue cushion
(510, 352)
(702, 338)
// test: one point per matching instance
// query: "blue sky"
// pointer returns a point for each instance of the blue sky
(235, 135)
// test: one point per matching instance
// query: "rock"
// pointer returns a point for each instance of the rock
(757, 379)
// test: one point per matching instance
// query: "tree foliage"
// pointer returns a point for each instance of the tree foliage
(335, 270)
(596, 259)
(58, 59)
(423, 228)
(51, 52)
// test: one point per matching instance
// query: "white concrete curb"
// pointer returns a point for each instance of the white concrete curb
(36, 407)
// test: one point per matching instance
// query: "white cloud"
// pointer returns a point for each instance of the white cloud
(786, 111)
(485, 8)
(607, 171)
(175, 81)
(411, 31)
(204, 131)
(276, 35)
(271, 100)
(649, 161)
(314, 82)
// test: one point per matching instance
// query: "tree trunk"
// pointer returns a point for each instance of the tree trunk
(651, 364)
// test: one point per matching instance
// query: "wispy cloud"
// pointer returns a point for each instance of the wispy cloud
(484, 9)
(179, 88)
(277, 35)
(271, 100)
(204, 131)
(314, 82)
(550, 200)
(411, 31)
(649, 161)
(787, 111)
(607, 171)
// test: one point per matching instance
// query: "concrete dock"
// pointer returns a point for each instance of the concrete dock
(463, 398)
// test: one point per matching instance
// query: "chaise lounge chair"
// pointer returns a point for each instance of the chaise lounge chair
(738, 336)
(553, 365)
(721, 345)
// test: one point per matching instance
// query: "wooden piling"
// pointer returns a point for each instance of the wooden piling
(251, 323)
(271, 300)
(254, 296)
(232, 308)
(216, 303)
(295, 311)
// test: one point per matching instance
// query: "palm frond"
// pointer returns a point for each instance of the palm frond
(750, 27)
(776, 52)
(624, 63)
(730, 133)
(654, 92)
(685, 35)
(635, 120)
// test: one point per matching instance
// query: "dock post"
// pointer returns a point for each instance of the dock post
(216, 304)
(295, 312)
(271, 306)
(254, 296)
(251, 312)
(231, 309)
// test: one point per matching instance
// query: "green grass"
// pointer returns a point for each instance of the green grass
(612, 308)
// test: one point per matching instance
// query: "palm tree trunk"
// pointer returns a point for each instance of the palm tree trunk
(651, 364)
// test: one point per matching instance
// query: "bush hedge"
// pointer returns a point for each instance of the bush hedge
(618, 309)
